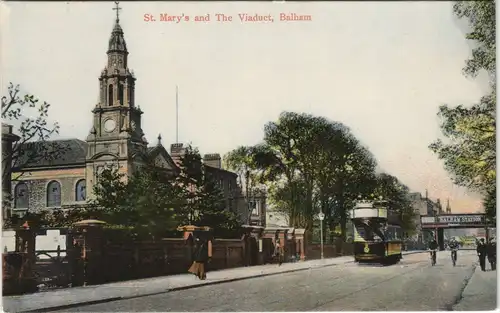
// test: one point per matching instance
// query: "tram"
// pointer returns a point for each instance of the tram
(377, 238)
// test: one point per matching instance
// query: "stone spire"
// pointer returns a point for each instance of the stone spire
(448, 207)
(117, 47)
(159, 139)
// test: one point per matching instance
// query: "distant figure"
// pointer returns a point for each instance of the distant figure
(482, 251)
(492, 253)
(202, 254)
(278, 248)
(433, 245)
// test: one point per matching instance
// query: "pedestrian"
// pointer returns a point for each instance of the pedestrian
(278, 248)
(482, 251)
(492, 253)
(202, 254)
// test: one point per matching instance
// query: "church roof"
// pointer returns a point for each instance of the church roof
(59, 152)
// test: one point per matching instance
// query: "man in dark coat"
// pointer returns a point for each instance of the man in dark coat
(482, 251)
(492, 253)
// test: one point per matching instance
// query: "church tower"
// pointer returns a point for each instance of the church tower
(116, 136)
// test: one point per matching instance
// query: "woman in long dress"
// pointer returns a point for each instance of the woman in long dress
(201, 255)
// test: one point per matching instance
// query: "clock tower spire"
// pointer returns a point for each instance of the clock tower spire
(116, 133)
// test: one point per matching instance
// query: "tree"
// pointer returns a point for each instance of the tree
(490, 204)
(148, 201)
(213, 211)
(482, 21)
(470, 151)
(30, 115)
(308, 164)
(191, 178)
(389, 188)
(204, 203)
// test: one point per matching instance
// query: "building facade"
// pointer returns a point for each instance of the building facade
(115, 138)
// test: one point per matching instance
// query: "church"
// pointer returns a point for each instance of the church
(116, 138)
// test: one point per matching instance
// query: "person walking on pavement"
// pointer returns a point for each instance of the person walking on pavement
(278, 253)
(482, 251)
(201, 255)
(492, 253)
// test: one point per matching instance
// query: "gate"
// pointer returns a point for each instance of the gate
(54, 268)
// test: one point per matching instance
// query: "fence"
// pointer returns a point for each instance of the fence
(92, 254)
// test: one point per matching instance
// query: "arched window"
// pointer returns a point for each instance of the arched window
(80, 190)
(110, 95)
(21, 196)
(53, 194)
(120, 94)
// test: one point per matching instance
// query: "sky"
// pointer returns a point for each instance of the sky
(381, 68)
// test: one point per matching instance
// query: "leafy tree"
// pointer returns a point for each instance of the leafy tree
(389, 188)
(490, 204)
(470, 150)
(147, 201)
(482, 20)
(30, 116)
(308, 164)
(241, 161)
(204, 203)
(470, 153)
(213, 211)
(191, 178)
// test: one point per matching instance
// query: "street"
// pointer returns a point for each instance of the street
(411, 285)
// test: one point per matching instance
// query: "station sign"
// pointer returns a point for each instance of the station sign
(453, 220)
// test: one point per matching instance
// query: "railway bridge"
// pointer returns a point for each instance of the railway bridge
(437, 224)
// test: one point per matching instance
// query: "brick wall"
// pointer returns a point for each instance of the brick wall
(37, 182)
(141, 259)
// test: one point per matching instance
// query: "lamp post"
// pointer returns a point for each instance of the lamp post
(321, 217)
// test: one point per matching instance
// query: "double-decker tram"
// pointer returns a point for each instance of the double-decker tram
(377, 238)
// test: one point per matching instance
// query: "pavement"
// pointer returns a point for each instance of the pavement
(330, 284)
(65, 298)
(481, 288)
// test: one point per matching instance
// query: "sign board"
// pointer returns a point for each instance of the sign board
(453, 220)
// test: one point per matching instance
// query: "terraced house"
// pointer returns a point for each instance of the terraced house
(116, 137)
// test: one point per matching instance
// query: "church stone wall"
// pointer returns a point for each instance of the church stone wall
(37, 186)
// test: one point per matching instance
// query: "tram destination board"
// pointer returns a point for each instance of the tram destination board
(455, 220)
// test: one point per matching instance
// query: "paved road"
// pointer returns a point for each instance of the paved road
(412, 285)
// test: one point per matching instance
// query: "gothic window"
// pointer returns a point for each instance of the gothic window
(21, 196)
(53, 194)
(110, 95)
(120, 94)
(80, 190)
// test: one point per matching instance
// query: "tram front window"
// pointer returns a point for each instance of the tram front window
(368, 233)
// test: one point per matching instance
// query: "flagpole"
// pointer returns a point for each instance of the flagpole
(176, 114)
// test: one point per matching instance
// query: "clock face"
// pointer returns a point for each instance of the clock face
(109, 125)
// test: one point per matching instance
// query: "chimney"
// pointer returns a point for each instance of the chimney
(176, 152)
(212, 160)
